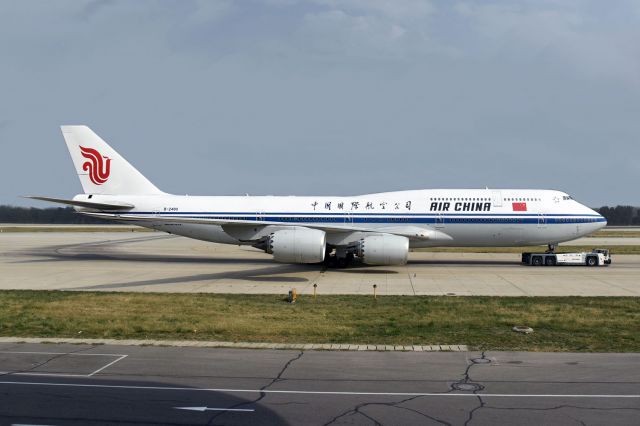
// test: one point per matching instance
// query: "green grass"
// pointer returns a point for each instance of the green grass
(615, 234)
(620, 249)
(595, 324)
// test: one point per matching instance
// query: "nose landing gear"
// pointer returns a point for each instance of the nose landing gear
(551, 248)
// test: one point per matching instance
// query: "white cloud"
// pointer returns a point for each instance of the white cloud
(423, 96)
(393, 9)
(372, 29)
(594, 45)
(336, 32)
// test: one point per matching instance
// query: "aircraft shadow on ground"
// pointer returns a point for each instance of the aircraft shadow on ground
(263, 275)
(359, 268)
(106, 253)
(141, 404)
(271, 273)
(461, 262)
(96, 252)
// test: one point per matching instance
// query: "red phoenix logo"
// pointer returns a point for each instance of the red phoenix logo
(98, 168)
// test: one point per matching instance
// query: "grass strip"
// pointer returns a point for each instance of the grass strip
(615, 234)
(583, 324)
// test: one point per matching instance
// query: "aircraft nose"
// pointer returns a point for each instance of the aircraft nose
(601, 221)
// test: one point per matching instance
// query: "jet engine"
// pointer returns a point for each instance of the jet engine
(383, 249)
(297, 245)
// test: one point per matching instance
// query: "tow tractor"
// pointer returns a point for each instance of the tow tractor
(596, 257)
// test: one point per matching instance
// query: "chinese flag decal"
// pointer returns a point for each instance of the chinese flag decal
(519, 207)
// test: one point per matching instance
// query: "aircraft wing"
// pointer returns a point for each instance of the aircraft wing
(210, 221)
(409, 231)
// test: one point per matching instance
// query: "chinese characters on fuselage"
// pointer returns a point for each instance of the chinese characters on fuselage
(356, 205)
(436, 206)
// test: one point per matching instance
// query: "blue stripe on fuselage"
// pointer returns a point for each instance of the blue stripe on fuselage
(387, 218)
(364, 214)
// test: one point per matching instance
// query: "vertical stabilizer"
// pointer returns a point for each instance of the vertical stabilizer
(100, 168)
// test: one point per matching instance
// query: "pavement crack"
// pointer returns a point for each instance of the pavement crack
(286, 366)
(472, 412)
(358, 410)
(464, 384)
(467, 384)
(267, 386)
(413, 289)
(559, 407)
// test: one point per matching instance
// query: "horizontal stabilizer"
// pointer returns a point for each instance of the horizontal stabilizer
(85, 204)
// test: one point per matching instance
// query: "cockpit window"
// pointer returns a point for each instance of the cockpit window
(567, 197)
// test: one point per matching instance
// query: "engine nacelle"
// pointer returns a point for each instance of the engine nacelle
(383, 250)
(297, 245)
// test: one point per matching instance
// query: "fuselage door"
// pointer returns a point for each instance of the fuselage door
(157, 214)
(348, 218)
(439, 221)
(542, 221)
(496, 198)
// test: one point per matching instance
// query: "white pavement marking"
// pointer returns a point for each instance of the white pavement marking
(25, 424)
(31, 373)
(11, 373)
(57, 353)
(202, 409)
(303, 392)
(109, 365)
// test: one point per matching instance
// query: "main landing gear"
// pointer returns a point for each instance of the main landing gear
(338, 259)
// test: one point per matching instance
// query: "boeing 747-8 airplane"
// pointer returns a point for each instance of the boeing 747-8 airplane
(378, 229)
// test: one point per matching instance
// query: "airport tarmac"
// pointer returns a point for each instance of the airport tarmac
(87, 385)
(132, 261)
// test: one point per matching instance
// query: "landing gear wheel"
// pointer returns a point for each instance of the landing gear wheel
(343, 262)
(330, 260)
(551, 248)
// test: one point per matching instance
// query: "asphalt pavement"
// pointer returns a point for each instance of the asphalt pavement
(110, 384)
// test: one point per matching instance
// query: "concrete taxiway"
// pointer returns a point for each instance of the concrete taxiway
(164, 263)
(84, 385)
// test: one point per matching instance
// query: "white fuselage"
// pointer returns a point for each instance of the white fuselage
(465, 217)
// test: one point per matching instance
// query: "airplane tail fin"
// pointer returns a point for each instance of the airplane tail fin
(100, 168)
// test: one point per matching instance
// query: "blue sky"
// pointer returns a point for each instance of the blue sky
(326, 96)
